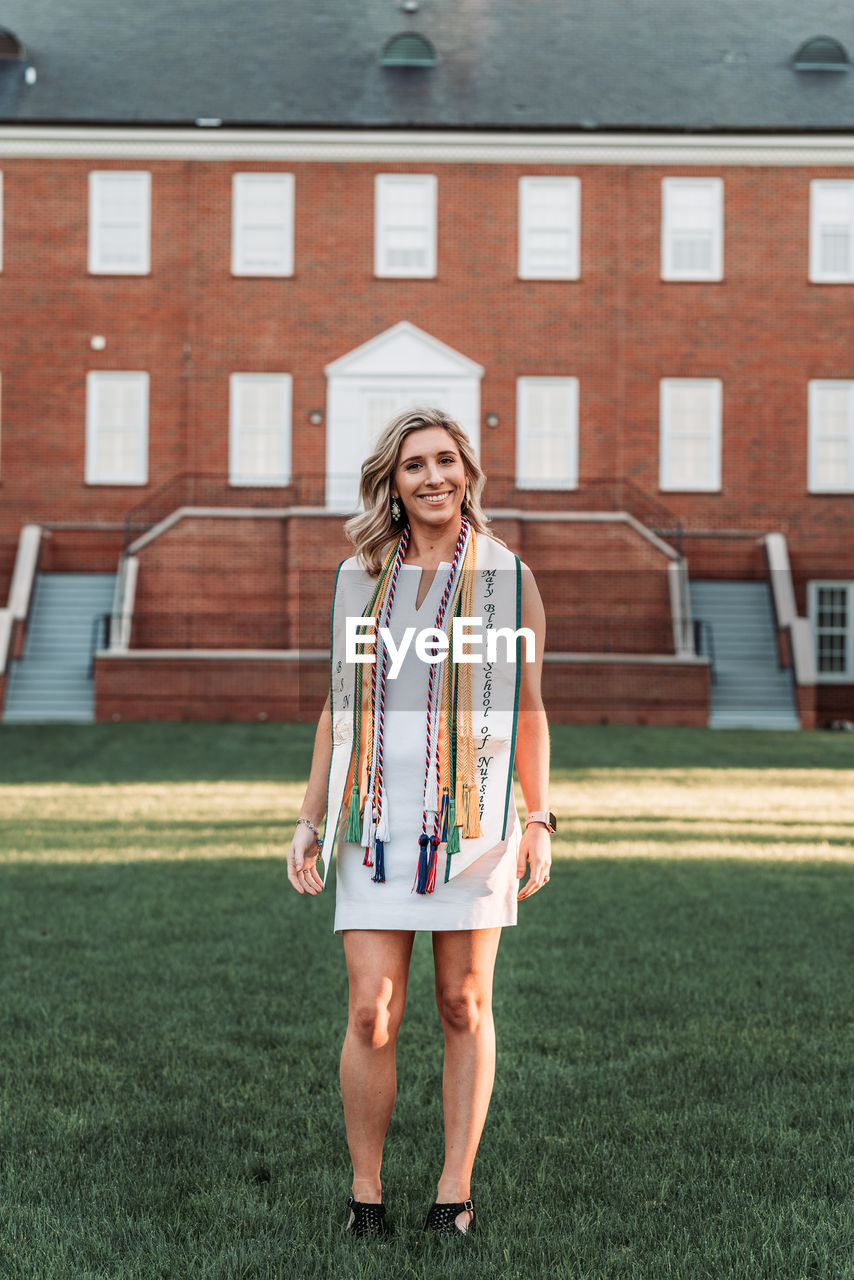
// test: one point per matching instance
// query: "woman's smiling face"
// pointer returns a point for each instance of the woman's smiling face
(429, 479)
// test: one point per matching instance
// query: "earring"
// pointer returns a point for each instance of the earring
(395, 510)
(466, 500)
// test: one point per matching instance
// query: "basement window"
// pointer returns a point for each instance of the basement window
(409, 49)
(822, 53)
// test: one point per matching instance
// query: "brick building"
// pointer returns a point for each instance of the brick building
(622, 255)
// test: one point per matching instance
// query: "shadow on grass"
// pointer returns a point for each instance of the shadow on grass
(674, 1076)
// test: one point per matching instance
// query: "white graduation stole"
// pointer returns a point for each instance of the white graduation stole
(495, 703)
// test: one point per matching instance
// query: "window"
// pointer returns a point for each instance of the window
(831, 437)
(692, 217)
(547, 433)
(822, 53)
(832, 231)
(117, 428)
(119, 223)
(405, 224)
(549, 225)
(690, 457)
(262, 224)
(831, 611)
(260, 429)
(409, 49)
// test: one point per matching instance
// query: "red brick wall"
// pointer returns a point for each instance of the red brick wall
(713, 556)
(208, 689)
(834, 702)
(81, 551)
(587, 692)
(267, 583)
(604, 586)
(602, 692)
(8, 550)
(213, 583)
(765, 330)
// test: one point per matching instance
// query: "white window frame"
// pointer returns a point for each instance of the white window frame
(817, 187)
(241, 183)
(813, 485)
(528, 189)
(570, 479)
(833, 677)
(384, 182)
(93, 473)
(236, 381)
(667, 433)
(669, 186)
(99, 180)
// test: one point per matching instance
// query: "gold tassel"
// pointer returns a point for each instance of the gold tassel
(471, 814)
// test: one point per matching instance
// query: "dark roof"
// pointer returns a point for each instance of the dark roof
(516, 64)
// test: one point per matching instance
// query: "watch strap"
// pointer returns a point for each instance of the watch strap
(541, 815)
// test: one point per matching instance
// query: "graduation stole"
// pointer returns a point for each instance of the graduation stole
(451, 807)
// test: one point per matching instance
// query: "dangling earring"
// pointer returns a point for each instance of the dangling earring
(466, 500)
(395, 510)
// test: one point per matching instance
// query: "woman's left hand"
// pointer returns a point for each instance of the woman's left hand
(536, 849)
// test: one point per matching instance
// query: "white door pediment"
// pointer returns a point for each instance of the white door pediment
(401, 368)
(404, 350)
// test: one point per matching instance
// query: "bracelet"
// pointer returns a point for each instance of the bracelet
(309, 823)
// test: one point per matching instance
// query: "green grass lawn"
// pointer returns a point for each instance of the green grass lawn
(674, 1013)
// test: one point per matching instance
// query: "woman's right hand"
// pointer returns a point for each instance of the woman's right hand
(302, 861)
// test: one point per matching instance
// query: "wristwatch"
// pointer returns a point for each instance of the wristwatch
(547, 819)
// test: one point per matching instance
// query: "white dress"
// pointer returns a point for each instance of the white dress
(482, 896)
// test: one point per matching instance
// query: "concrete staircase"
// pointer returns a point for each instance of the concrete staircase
(52, 680)
(750, 690)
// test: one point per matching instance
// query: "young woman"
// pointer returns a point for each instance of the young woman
(420, 781)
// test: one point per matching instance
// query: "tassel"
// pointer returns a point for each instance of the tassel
(453, 831)
(367, 824)
(354, 818)
(459, 802)
(431, 876)
(471, 814)
(368, 832)
(423, 864)
(383, 832)
(443, 816)
(379, 856)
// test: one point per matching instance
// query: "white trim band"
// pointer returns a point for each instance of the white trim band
(95, 142)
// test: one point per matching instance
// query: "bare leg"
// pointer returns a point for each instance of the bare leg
(378, 967)
(464, 962)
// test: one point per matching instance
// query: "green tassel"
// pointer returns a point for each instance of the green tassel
(453, 831)
(353, 834)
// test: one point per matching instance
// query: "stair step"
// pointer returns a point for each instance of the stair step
(750, 689)
(52, 682)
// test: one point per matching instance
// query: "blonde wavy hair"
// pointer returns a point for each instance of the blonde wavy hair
(373, 530)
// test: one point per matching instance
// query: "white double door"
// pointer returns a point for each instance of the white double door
(358, 410)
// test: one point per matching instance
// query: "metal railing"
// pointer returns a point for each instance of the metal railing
(191, 489)
(704, 644)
